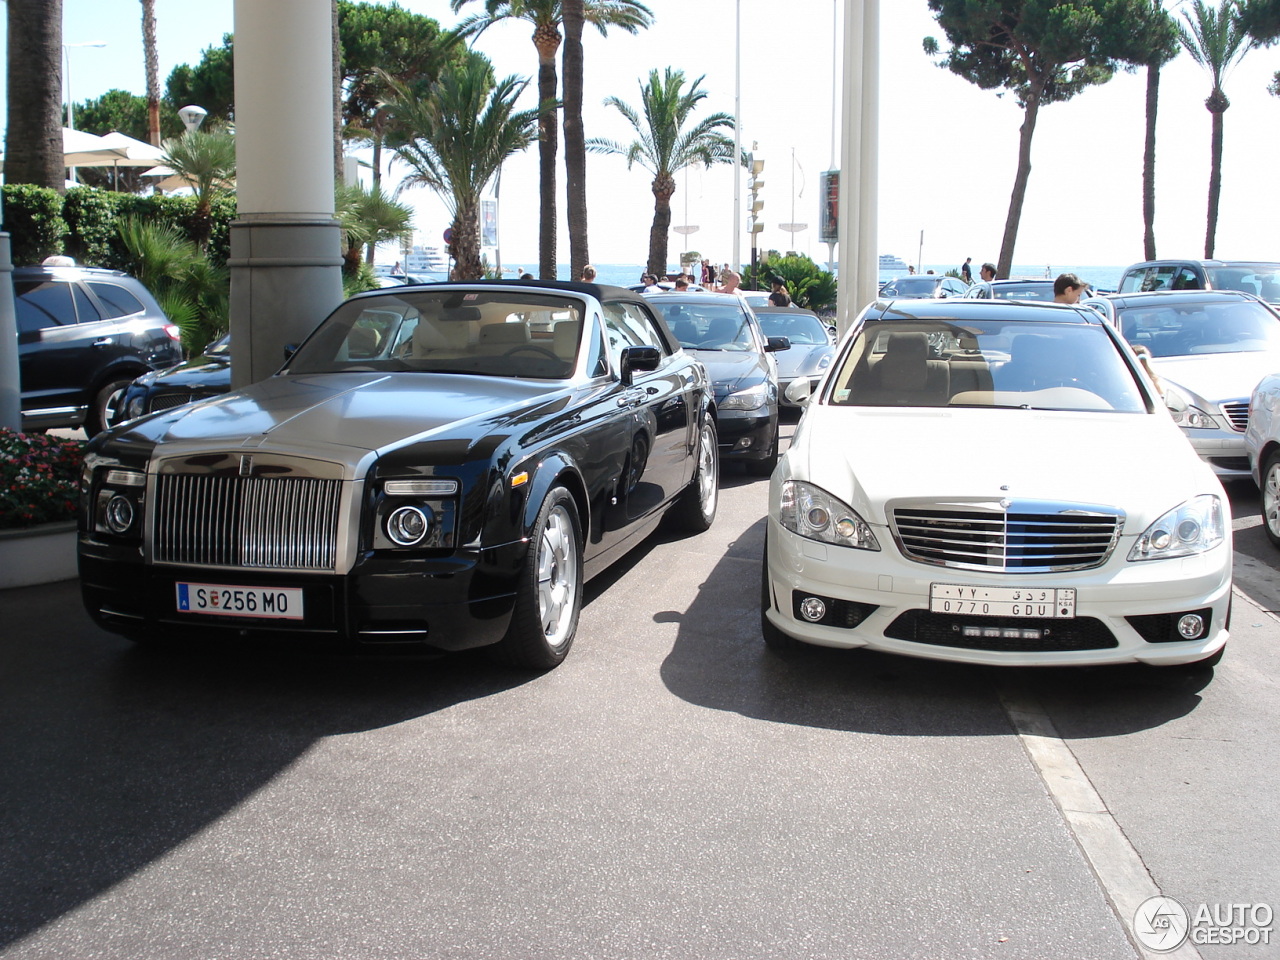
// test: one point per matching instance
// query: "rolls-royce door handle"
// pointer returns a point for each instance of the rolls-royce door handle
(633, 397)
(104, 341)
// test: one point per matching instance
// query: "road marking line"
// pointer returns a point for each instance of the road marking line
(1124, 878)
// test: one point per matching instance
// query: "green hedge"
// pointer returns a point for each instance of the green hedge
(33, 219)
(42, 222)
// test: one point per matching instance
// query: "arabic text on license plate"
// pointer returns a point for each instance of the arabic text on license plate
(1033, 602)
(229, 600)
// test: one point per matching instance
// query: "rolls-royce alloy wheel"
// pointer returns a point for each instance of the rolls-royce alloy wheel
(549, 596)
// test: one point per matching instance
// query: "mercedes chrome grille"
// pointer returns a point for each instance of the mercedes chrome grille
(1237, 414)
(274, 523)
(1022, 538)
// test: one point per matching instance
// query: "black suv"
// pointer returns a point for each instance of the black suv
(1262, 279)
(83, 335)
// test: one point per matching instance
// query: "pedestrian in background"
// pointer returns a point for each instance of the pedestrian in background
(965, 273)
(588, 274)
(778, 296)
(987, 272)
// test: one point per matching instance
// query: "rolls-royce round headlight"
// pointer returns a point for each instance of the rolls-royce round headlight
(119, 514)
(407, 526)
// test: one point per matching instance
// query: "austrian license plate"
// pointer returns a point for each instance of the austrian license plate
(970, 601)
(228, 600)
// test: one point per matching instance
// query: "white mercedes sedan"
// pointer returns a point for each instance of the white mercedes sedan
(997, 483)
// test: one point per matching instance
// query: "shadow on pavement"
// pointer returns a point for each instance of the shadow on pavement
(111, 756)
(719, 661)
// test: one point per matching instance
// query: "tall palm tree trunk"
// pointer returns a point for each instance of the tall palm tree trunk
(1217, 105)
(548, 147)
(152, 59)
(575, 144)
(33, 140)
(1020, 179)
(664, 187)
(1149, 166)
(465, 243)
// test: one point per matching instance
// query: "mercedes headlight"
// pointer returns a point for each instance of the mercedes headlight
(811, 512)
(753, 398)
(1193, 527)
(1185, 413)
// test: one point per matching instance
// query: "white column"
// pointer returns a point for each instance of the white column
(859, 174)
(285, 244)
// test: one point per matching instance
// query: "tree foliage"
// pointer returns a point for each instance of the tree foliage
(458, 138)
(1043, 52)
(209, 84)
(664, 146)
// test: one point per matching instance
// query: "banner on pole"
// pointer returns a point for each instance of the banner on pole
(829, 216)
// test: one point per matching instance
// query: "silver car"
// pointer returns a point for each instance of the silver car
(1209, 348)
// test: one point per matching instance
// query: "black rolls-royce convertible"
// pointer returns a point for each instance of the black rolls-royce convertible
(438, 466)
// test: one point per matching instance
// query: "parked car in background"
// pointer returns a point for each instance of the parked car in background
(84, 334)
(1262, 442)
(435, 467)
(1209, 348)
(208, 375)
(812, 345)
(1041, 290)
(923, 286)
(1260, 278)
(996, 483)
(724, 335)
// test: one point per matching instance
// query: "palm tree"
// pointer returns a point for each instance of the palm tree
(152, 59)
(545, 16)
(1164, 47)
(1217, 40)
(457, 138)
(33, 138)
(369, 217)
(664, 147)
(575, 144)
(206, 160)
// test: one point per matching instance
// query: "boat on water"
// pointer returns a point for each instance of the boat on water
(889, 262)
(425, 260)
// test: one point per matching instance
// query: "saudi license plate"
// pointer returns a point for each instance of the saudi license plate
(228, 600)
(1033, 602)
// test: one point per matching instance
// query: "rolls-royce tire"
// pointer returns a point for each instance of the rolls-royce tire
(549, 594)
(774, 638)
(695, 509)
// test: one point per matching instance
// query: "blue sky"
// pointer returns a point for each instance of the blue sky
(947, 156)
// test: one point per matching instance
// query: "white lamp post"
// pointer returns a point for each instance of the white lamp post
(66, 72)
(192, 116)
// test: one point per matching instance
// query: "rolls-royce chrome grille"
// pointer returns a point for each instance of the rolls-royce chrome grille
(1026, 538)
(274, 523)
(1237, 414)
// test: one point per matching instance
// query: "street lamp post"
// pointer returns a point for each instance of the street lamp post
(66, 72)
(192, 116)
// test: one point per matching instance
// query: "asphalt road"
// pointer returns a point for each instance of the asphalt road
(674, 790)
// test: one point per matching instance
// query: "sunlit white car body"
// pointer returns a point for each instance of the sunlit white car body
(1262, 441)
(890, 463)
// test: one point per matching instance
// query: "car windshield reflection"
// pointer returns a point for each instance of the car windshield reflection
(800, 328)
(1191, 329)
(701, 326)
(500, 334)
(1040, 366)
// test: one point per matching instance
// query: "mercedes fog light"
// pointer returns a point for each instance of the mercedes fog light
(407, 526)
(119, 515)
(812, 609)
(1191, 627)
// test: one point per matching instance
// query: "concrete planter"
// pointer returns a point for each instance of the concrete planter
(33, 555)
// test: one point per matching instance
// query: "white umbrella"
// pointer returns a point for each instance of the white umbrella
(80, 149)
(137, 153)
